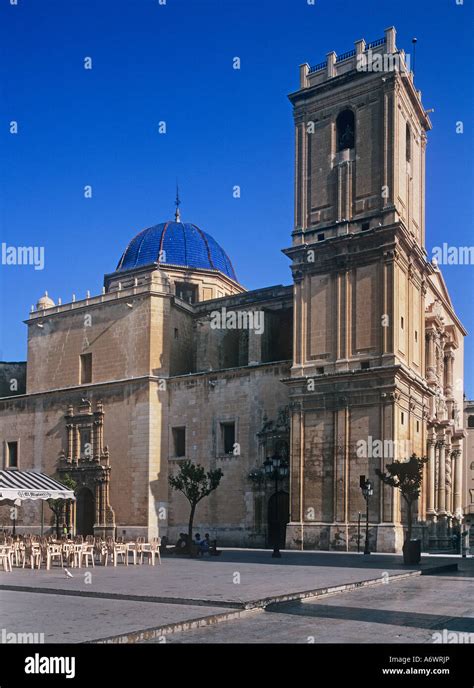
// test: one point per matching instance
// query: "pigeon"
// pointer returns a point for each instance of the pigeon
(68, 574)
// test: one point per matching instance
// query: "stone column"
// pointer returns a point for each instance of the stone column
(331, 65)
(297, 462)
(442, 525)
(208, 341)
(457, 492)
(95, 440)
(448, 390)
(97, 496)
(77, 444)
(448, 482)
(449, 373)
(430, 362)
(70, 442)
(295, 529)
(431, 501)
(442, 477)
(431, 474)
(390, 34)
(255, 347)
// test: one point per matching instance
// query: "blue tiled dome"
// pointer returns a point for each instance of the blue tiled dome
(178, 243)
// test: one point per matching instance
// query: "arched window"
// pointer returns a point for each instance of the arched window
(470, 422)
(345, 130)
(408, 142)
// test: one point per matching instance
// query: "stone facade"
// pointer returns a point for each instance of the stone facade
(156, 365)
(468, 477)
(357, 363)
(365, 300)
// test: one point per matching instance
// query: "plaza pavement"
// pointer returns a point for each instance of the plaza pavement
(404, 611)
(185, 596)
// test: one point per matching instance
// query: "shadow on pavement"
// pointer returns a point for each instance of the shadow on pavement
(380, 616)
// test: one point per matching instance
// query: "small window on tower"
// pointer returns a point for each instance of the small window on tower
(12, 454)
(86, 368)
(408, 142)
(227, 437)
(179, 441)
(345, 130)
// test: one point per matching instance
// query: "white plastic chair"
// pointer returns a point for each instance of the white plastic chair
(88, 553)
(77, 555)
(134, 548)
(5, 558)
(117, 549)
(152, 550)
(32, 552)
(54, 552)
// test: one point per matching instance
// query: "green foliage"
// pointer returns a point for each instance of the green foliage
(193, 481)
(56, 505)
(406, 476)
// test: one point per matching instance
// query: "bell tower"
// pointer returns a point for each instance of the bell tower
(359, 268)
(360, 130)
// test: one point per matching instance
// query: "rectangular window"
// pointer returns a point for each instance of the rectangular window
(187, 292)
(12, 455)
(228, 437)
(321, 237)
(416, 336)
(418, 426)
(402, 418)
(365, 365)
(402, 322)
(179, 441)
(86, 369)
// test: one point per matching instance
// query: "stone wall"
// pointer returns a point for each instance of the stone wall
(200, 403)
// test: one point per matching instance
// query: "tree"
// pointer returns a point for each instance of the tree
(193, 481)
(57, 505)
(407, 477)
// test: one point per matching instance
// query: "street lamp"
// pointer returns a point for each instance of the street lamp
(276, 469)
(367, 490)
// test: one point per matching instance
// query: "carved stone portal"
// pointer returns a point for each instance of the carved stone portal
(86, 461)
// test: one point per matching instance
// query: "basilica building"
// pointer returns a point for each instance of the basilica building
(357, 362)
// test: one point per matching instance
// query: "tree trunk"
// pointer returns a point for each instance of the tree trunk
(190, 527)
(409, 518)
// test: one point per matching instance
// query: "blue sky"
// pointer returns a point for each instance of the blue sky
(225, 127)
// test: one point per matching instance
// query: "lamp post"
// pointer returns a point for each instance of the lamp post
(276, 469)
(367, 490)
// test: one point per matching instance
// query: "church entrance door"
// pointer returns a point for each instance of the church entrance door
(85, 512)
